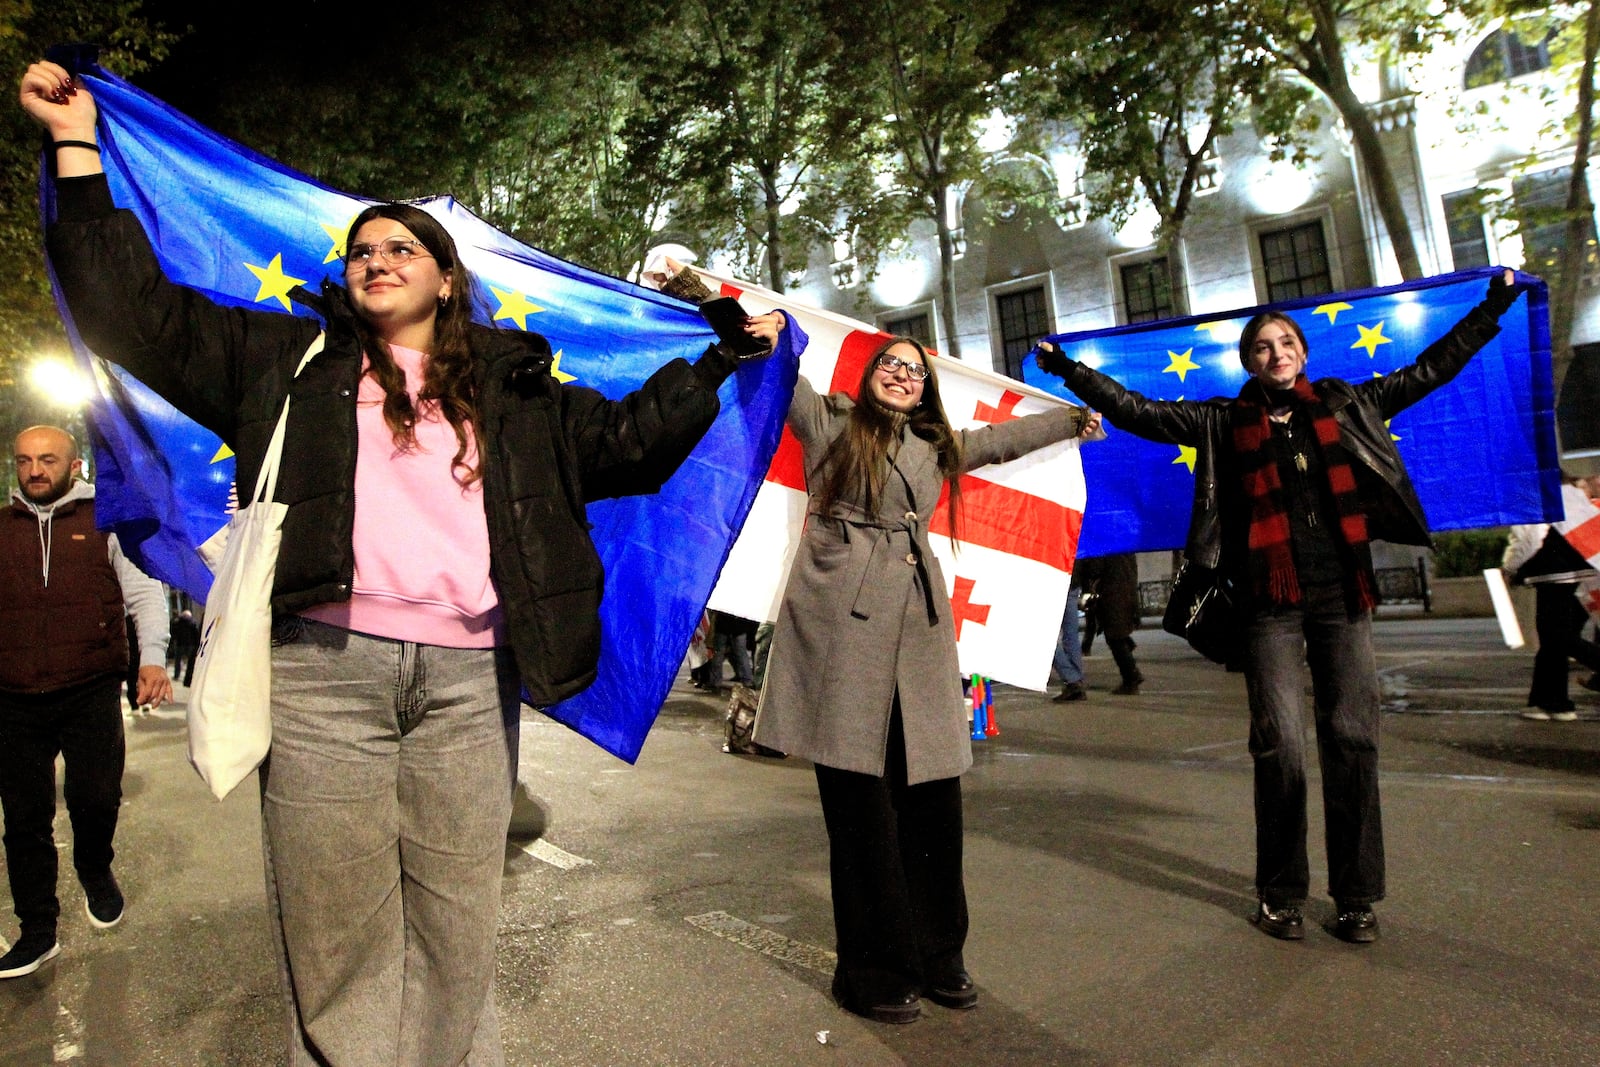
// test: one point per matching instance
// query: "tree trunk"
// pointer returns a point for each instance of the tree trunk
(1323, 64)
(947, 272)
(774, 244)
(1580, 211)
(1180, 279)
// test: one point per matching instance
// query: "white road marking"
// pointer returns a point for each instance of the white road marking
(767, 942)
(555, 856)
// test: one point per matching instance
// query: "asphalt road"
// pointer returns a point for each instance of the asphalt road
(676, 911)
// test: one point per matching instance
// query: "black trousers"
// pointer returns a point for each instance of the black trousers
(899, 900)
(83, 725)
(1558, 619)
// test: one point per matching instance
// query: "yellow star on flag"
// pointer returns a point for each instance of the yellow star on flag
(1211, 328)
(337, 234)
(557, 373)
(223, 452)
(1371, 338)
(1186, 456)
(274, 283)
(514, 306)
(1330, 310)
(1181, 364)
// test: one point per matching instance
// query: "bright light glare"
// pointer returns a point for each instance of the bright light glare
(899, 282)
(59, 381)
(1141, 227)
(1409, 312)
(1278, 188)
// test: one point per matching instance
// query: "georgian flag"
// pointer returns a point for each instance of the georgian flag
(1008, 574)
(1581, 528)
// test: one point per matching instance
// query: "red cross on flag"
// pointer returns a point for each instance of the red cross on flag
(1581, 527)
(1020, 519)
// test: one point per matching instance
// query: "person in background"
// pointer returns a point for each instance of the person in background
(436, 566)
(1538, 555)
(184, 645)
(863, 678)
(65, 589)
(1067, 659)
(1293, 479)
(1114, 581)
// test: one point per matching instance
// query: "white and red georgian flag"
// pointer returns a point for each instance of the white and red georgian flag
(1581, 528)
(1020, 521)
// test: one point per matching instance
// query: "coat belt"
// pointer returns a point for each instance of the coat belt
(913, 527)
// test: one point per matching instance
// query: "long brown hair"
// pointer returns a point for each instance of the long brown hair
(447, 375)
(856, 465)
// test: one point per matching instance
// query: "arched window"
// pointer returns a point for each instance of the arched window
(1504, 55)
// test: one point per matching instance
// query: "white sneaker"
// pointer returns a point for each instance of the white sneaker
(1564, 716)
(1536, 714)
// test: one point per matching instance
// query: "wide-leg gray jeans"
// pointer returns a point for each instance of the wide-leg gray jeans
(385, 804)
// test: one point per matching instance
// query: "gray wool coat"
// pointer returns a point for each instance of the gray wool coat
(866, 610)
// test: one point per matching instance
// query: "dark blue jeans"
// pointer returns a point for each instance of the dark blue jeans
(83, 725)
(1344, 683)
(1068, 657)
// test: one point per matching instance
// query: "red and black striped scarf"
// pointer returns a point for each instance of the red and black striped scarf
(1271, 557)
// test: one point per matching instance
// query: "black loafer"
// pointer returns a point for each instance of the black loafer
(1285, 923)
(953, 991)
(906, 1008)
(1356, 925)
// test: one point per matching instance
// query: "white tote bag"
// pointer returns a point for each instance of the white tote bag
(230, 701)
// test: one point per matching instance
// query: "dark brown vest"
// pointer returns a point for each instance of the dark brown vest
(70, 631)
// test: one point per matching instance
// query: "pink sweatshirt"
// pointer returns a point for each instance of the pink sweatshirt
(421, 540)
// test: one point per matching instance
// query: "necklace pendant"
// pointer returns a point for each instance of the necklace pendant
(1300, 461)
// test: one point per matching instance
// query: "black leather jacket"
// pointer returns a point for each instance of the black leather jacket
(1219, 521)
(546, 448)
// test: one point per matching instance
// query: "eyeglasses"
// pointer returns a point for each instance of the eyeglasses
(917, 371)
(395, 251)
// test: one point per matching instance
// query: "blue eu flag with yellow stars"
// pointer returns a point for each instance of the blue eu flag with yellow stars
(246, 230)
(1481, 450)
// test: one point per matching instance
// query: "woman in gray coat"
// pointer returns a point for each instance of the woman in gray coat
(863, 678)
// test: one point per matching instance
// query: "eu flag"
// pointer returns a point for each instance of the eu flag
(246, 230)
(1481, 450)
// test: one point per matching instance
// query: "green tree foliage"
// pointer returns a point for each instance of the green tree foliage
(1571, 33)
(130, 42)
(1147, 91)
(1318, 38)
(1467, 553)
(939, 65)
(777, 147)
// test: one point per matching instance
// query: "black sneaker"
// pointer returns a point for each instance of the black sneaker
(1285, 923)
(102, 899)
(30, 953)
(1356, 924)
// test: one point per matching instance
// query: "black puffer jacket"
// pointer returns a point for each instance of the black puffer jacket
(546, 448)
(1219, 521)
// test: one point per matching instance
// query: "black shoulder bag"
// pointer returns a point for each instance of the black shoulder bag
(1201, 611)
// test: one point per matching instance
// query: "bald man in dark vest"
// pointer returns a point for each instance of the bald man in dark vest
(64, 589)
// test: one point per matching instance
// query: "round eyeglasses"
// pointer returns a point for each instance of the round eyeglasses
(917, 371)
(395, 251)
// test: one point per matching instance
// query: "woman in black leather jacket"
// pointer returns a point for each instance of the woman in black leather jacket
(1293, 479)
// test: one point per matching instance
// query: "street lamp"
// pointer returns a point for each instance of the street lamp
(59, 382)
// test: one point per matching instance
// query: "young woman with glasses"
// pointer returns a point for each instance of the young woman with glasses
(435, 565)
(863, 678)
